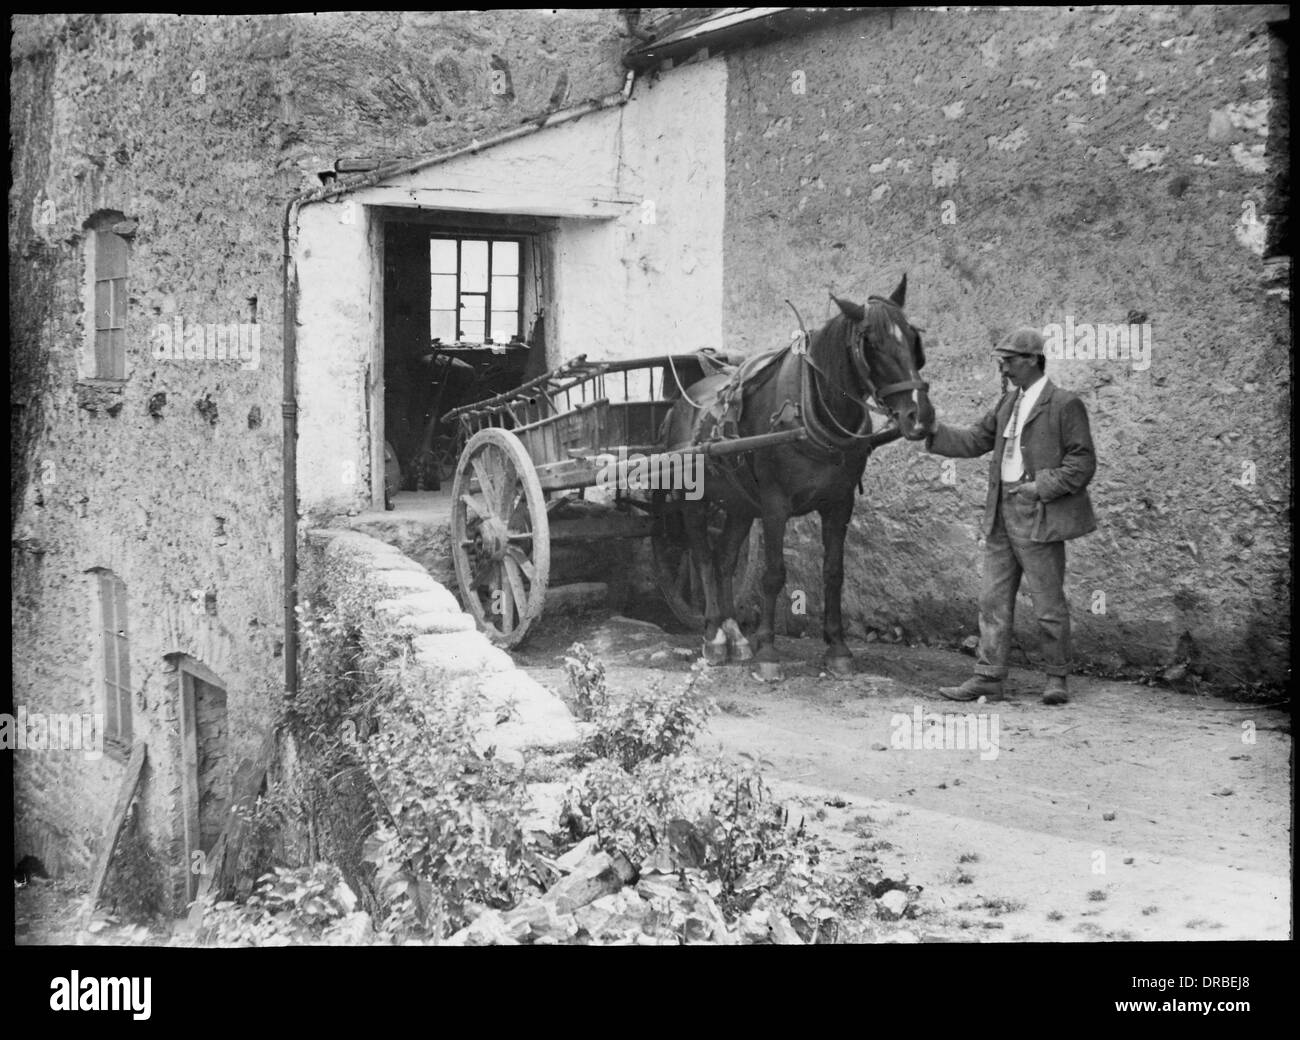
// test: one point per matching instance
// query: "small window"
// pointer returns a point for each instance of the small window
(107, 262)
(115, 643)
(475, 290)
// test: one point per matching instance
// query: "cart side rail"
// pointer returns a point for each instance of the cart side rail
(539, 398)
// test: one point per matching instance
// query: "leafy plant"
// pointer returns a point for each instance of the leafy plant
(453, 842)
(704, 814)
(288, 906)
(587, 680)
(647, 795)
(137, 885)
(649, 726)
(323, 799)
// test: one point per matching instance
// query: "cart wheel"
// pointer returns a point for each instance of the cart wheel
(500, 538)
(435, 465)
(444, 458)
(676, 575)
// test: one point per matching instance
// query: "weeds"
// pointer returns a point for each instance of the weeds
(287, 906)
(137, 884)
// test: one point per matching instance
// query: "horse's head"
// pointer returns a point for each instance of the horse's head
(888, 358)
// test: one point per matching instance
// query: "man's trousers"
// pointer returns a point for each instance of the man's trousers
(1008, 554)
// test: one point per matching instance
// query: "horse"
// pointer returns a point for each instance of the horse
(824, 384)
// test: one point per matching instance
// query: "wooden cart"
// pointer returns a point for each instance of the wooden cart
(524, 454)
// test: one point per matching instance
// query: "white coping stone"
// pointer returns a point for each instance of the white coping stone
(396, 563)
(538, 718)
(460, 653)
(518, 688)
(405, 580)
(354, 541)
(436, 600)
(554, 731)
(436, 622)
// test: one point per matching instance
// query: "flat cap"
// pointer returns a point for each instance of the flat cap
(1024, 340)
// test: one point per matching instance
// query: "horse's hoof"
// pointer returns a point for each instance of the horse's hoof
(738, 647)
(769, 671)
(839, 666)
(714, 653)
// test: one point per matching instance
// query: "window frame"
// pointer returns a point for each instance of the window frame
(490, 238)
(114, 659)
(106, 327)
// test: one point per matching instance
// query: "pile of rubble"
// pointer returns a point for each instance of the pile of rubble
(602, 899)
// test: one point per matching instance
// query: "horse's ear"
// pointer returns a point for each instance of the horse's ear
(900, 294)
(852, 311)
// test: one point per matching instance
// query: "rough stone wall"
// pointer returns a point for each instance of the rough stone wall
(1101, 163)
(198, 129)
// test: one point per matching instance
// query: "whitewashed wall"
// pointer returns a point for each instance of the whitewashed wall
(637, 193)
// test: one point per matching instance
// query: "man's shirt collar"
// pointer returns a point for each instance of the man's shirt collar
(1031, 395)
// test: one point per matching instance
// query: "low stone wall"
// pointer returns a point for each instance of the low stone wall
(366, 577)
(625, 568)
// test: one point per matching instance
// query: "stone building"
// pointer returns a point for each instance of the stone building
(219, 230)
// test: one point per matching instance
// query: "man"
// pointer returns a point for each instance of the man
(1037, 500)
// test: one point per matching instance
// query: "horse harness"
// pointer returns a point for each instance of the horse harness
(839, 443)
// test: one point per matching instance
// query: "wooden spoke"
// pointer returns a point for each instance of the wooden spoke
(500, 535)
(514, 581)
(486, 484)
(504, 592)
(517, 556)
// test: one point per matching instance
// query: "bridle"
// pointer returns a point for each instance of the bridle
(889, 389)
(873, 399)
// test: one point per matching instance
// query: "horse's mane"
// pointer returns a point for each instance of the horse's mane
(830, 348)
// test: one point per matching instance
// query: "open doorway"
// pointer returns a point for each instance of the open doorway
(465, 314)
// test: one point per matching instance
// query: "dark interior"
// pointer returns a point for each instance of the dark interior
(426, 376)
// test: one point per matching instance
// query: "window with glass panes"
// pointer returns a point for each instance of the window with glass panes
(117, 662)
(475, 291)
(110, 305)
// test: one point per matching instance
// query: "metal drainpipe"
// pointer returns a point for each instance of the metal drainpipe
(289, 410)
(289, 406)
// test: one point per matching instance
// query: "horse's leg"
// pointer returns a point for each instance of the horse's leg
(696, 522)
(835, 522)
(733, 534)
(776, 512)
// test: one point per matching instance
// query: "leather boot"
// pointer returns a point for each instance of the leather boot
(975, 687)
(1054, 692)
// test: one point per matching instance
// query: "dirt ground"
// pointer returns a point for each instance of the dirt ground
(1131, 813)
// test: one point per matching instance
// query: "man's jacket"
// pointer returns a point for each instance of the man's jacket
(1056, 445)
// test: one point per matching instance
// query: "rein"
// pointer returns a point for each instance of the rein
(681, 389)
